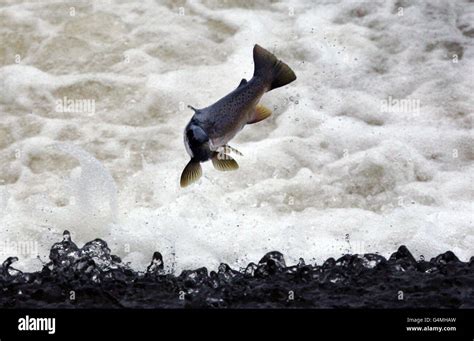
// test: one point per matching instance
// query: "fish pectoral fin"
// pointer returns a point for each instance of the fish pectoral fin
(191, 173)
(228, 148)
(261, 113)
(224, 162)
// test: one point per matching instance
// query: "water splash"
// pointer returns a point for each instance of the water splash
(93, 194)
(368, 280)
(95, 187)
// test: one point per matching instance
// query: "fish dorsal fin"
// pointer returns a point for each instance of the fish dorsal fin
(242, 82)
(193, 109)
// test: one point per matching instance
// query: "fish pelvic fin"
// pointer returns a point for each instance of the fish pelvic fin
(270, 67)
(191, 173)
(229, 149)
(261, 113)
(224, 162)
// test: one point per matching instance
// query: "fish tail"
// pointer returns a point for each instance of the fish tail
(269, 67)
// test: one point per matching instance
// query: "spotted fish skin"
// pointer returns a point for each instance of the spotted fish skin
(213, 127)
(233, 111)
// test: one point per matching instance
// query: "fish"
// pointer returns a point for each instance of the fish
(210, 129)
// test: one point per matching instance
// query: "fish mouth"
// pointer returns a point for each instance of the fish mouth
(197, 142)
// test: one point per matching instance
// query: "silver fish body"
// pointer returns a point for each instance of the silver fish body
(225, 118)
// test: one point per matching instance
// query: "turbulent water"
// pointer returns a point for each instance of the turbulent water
(93, 277)
(369, 149)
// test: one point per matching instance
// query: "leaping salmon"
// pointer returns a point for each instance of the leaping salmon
(209, 131)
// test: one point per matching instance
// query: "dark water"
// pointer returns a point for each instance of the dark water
(92, 277)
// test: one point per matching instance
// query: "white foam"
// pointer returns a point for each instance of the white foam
(330, 172)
